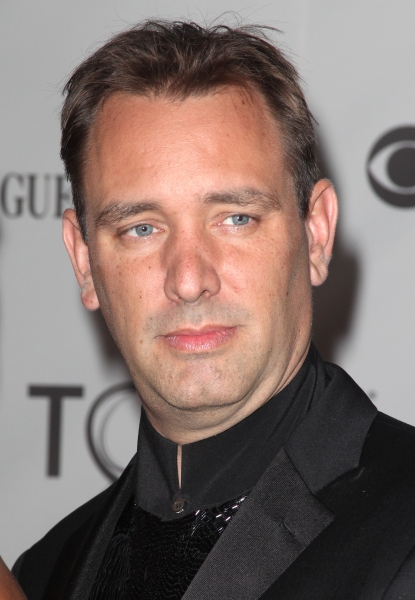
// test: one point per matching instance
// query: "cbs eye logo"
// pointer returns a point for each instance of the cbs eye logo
(391, 167)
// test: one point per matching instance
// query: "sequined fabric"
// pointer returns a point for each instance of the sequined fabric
(114, 575)
(168, 554)
(153, 559)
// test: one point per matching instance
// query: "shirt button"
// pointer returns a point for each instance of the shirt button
(178, 505)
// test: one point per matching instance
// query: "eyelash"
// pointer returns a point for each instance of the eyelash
(250, 219)
(138, 226)
(144, 224)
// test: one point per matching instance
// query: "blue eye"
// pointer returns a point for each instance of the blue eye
(143, 230)
(240, 219)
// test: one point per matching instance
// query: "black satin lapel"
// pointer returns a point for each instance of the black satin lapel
(277, 521)
(329, 440)
(81, 556)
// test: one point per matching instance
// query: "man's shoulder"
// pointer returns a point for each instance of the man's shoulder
(391, 440)
(386, 468)
(48, 548)
(391, 424)
(33, 567)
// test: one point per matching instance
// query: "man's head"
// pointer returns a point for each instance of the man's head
(201, 224)
(178, 60)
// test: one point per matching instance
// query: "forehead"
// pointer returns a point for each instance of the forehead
(200, 143)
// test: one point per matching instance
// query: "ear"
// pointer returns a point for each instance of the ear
(79, 254)
(321, 227)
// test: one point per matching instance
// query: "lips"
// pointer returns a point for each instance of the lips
(199, 340)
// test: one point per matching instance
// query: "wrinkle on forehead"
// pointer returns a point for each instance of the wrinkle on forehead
(115, 158)
(116, 212)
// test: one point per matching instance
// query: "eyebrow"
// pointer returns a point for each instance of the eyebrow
(118, 211)
(244, 197)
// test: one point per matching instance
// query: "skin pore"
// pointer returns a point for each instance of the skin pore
(197, 255)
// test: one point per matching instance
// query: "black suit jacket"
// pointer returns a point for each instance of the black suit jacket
(333, 517)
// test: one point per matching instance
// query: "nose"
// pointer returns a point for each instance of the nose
(191, 273)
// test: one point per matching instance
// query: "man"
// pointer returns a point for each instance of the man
(200, 225)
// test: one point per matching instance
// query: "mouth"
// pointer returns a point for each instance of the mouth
(199, 340)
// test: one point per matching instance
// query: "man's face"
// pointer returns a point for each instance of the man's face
(199, 259)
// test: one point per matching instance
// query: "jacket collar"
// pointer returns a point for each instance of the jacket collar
(329, 440)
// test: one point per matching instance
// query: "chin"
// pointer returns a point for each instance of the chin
(200, 398)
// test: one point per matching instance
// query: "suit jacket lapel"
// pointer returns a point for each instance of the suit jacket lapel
(282, 515)
(329, 440)
(81, 556)
(277, 521)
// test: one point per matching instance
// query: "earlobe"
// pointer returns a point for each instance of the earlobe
(321, 226)
(79, 254)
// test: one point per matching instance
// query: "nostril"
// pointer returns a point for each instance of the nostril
(190, 276)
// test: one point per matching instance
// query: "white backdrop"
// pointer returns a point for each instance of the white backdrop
(58, 365)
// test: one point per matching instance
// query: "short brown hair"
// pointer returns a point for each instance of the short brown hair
(178, 59)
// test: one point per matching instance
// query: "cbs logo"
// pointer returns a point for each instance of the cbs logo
(391, 167)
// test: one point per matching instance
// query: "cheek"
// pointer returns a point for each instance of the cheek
(262, 270)
(251, 280)
(274, 276)
(126, 288)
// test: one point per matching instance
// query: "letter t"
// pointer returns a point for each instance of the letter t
(55, 394)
